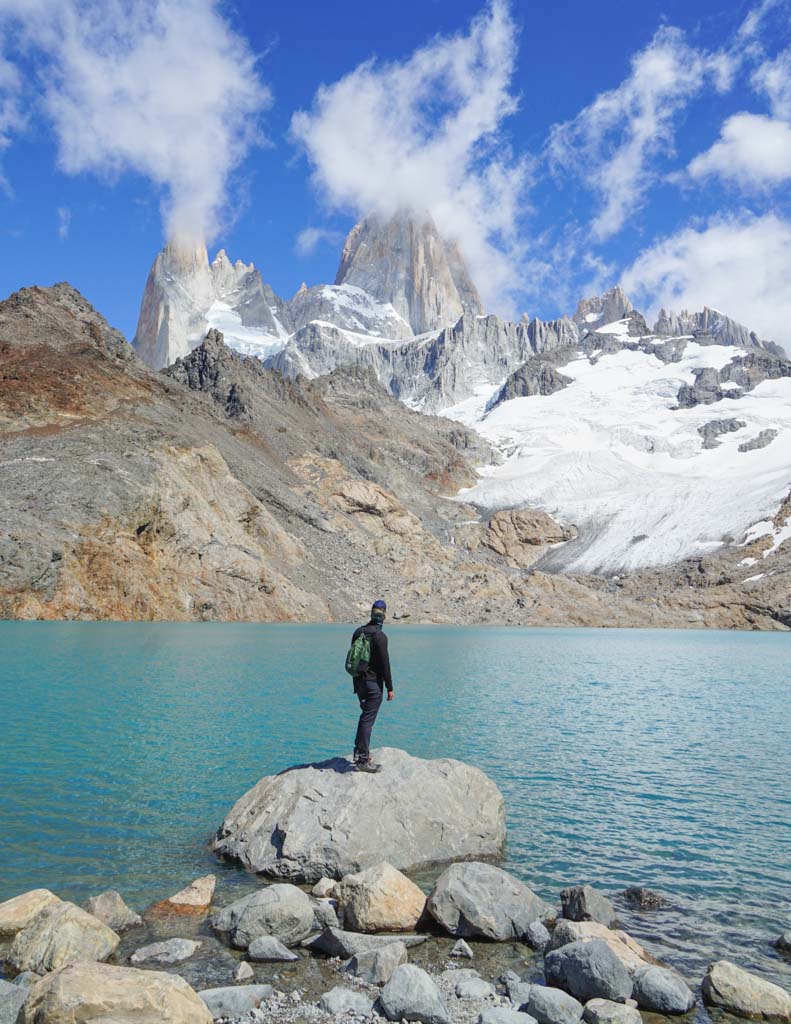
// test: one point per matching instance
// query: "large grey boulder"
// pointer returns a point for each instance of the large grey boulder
(605, 1011)
(412, 995)
(376, 967)
(584, 903)
(318, 820)
(479, 900)
(233, 1000)
(588, 970)
(268, 949)
(340, 1000)
(661, 990)
(737, 991)
(282, 911)
(61, 934)
(628, 950)
(335, 942)
(550, 1005)
(171, 951)
(111, 910)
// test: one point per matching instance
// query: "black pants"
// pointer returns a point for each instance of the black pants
(369, 693)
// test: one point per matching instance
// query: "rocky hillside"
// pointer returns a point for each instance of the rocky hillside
(221, 490)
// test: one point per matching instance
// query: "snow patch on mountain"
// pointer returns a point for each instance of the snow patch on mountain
(612, 454)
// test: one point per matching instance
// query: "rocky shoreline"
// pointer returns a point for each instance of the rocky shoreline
(363, 945)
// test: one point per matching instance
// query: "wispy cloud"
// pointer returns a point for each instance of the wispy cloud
(740, 264)
(425, 133)
(753, 152)
(773, 78)
(309, 239)
(64, 222)
(11, 118)
(615, 144)
(163, 88)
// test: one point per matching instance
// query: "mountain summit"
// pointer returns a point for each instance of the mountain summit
(405, 261)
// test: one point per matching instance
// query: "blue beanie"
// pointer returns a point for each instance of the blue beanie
(381, 605)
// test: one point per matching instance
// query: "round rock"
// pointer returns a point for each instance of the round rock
(317, 821)
(479, 900)
(550, 1005)
(604, 1011)
(61, 934)
(412, 995)
(661, 990)
(744, 994)
(588, 970)
(281, 911)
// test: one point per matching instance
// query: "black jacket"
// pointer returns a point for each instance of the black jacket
(379, 666)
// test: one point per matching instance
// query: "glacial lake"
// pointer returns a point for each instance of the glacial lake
(654, 758)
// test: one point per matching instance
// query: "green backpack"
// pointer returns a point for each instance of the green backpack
(359, 657)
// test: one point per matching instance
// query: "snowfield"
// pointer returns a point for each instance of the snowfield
(611, 454)
(247, 340)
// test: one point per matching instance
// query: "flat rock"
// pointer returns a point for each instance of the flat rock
(282, 911)
(503, 1015)
(380, 899)
(317, 820)
(268, 949)
(377, 966)
(474, 988)
(172, 951)
(340, 1000)
(733, 989)
(661, 990)
(479, 900)
(551, 1005)
(93, 993)
(233, 1000)
(61, 934)
(194, 898)
(584, 903)
(588, 970)
(335, 942)
(412, 995)
(111, 910)
(605, 1011)
(629, 952)
(20, 910)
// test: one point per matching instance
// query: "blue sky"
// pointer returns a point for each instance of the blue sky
(647, 143)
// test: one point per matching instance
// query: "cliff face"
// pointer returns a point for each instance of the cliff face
(221, 490)
(405, 262)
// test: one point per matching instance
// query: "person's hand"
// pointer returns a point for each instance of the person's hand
(390, 694)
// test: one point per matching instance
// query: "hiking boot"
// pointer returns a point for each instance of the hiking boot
(368, 766)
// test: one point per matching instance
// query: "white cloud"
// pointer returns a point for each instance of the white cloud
(773, 77)
(424, 134)
(615, 143)
(753, 151)
(11, 118)
(309, 239)
(64, 222)
(738, 264)
(163, 88)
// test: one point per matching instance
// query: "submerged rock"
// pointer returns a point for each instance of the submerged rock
(588, 970)
(317, 820)
(474, 899)
(381, 899)
(783, 942)
(87, 993)
(412, 995)
(61, 934)
(19, 911)
(584, 903)
(645, 899)
(171, 951)
(335, 942)
(737, 991)
(243, 972)
(111, 910)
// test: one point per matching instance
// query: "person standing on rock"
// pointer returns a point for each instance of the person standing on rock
(369, 685)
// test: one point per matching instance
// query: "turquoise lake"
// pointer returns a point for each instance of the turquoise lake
(654, 758)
